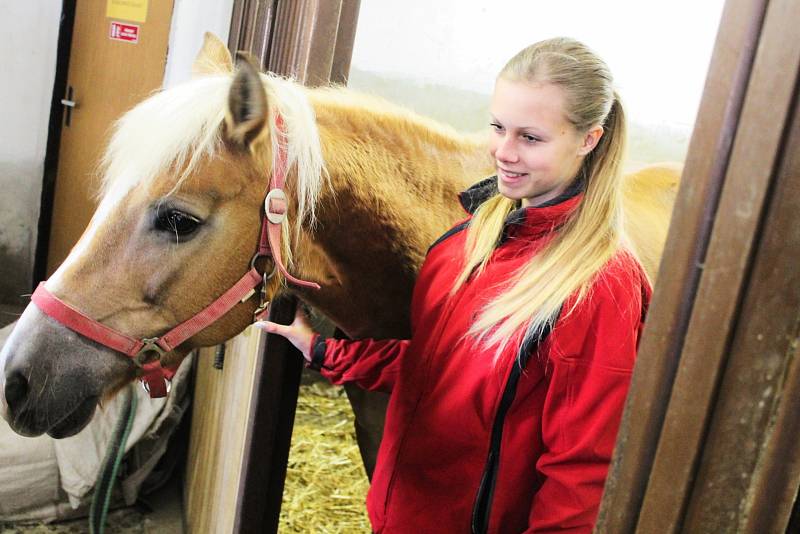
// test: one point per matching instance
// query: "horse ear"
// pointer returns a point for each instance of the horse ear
(213, 57)
(247, 104)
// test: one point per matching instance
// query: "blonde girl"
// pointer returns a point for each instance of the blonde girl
(506, 400)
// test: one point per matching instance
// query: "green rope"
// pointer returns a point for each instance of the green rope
(108, 472)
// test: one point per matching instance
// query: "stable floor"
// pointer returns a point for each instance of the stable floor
(159, 513)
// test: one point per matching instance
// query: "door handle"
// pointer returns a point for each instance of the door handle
(69, 104)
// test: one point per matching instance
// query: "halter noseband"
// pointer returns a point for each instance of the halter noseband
(146, 353)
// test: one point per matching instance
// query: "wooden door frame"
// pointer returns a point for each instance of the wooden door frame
(50, 171)
(678, 466)
(312, 41)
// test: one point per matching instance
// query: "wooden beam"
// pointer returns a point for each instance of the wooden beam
(295, 38)
(345, 37)
(272, 408)
(674, 295)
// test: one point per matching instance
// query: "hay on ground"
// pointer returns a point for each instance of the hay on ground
(326, 485)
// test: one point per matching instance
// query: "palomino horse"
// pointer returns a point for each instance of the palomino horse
(370, 186)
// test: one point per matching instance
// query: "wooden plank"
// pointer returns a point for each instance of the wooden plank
(306, 31)
(219, 426)
(706, 347)
(773, 375)
(766, 327)
(302, 44)
(270, 422)
(345, 37)
(238, 19)
(673, 298)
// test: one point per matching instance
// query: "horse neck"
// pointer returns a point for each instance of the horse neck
(394, 180)
(381, 155)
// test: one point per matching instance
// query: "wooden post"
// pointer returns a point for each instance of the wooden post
(306, 40)
(706, 443)
(243, 416)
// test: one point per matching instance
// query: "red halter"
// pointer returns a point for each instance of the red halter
(147, 352)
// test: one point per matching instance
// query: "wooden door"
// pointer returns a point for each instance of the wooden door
(106, 77)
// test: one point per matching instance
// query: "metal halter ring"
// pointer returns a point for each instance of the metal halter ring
(274, 265)
(150, 345)
(275, 194)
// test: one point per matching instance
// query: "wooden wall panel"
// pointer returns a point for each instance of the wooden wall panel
(219, 425)
(687, 241)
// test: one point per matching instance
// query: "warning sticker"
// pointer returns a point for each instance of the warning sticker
(120, 31)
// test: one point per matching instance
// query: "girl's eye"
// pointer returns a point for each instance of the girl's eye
(530, 139)
(176, 222)
(496, 127)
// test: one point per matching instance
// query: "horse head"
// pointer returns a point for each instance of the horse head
(184, 180)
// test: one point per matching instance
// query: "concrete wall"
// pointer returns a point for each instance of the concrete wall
(28, 43)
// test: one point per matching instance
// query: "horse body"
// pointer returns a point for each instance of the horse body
(204, 151)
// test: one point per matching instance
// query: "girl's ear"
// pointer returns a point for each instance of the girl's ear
(590, 140)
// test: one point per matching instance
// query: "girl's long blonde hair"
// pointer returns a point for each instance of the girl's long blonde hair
(592, 234)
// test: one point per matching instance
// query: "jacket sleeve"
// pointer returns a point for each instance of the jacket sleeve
(370, 363)
(592, 354)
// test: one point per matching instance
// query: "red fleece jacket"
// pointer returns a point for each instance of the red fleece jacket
(558, 427)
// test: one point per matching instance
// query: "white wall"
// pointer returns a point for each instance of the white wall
(443, 62)
(28, 45)
(190, 20)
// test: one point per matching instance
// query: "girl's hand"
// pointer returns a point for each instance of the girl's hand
(299, 333)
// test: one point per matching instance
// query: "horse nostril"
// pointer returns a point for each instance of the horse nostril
(16, 390)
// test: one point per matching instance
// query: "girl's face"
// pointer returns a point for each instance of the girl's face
(537, 151)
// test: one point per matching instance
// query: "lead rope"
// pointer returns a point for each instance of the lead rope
(108, 471)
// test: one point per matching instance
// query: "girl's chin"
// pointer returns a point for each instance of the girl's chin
(510, 191)
(527, 198)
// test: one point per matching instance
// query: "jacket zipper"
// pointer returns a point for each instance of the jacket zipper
(483, 500)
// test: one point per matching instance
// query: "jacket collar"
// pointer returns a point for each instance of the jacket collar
(530, 220)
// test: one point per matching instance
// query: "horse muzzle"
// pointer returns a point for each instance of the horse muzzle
(51, 379)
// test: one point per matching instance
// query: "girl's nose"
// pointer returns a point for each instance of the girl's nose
(505, 150)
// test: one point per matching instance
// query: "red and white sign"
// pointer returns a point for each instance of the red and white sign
(124, 32)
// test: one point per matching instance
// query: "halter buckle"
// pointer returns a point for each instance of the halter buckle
(150, 345)
(273, 216)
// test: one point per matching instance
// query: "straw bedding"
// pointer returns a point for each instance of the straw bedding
(326, 485)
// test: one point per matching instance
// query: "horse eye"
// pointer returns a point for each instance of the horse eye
(176, 222)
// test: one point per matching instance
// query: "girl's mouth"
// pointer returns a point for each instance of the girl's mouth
(510, 177)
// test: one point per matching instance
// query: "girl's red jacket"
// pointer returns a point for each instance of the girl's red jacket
(534, 442)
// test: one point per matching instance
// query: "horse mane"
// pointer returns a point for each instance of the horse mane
(177, 127)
